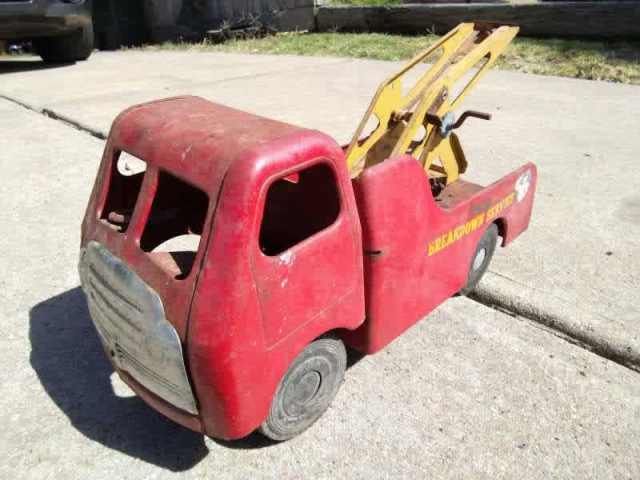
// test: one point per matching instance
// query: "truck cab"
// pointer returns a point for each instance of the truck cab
(240, 234)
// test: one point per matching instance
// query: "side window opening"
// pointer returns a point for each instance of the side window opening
(173, 230)
(127, 173)
(298, 207)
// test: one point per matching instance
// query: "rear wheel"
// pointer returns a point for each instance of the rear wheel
(481, 258)
(307, 389)
(71, 47)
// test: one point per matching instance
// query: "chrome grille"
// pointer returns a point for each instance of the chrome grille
(130, 319)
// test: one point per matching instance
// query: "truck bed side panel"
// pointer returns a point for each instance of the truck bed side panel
(418, 254)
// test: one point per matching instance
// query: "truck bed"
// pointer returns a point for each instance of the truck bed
(456, 193)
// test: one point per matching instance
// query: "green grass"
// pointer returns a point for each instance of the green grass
(594, 60)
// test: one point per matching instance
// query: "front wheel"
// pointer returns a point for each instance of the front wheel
(307, 389)
(481, 258)
(72, 47)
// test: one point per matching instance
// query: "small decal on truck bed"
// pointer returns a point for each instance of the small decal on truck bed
(522, 185)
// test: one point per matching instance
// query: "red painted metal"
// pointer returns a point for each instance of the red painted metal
(243, 316)
(400, 217)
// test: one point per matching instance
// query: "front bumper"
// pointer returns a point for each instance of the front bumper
(20, 19)
(129, 317)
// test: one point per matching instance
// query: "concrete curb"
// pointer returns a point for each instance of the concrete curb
(556, 314)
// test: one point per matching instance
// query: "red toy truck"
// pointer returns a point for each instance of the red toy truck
(228, 259)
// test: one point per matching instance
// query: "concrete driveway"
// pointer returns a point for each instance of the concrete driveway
(545, 388)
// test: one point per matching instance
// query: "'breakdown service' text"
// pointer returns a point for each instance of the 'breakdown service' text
(446, 239)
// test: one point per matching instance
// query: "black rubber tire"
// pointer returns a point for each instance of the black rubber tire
(480, 261)
(307, 389)
(73, 47)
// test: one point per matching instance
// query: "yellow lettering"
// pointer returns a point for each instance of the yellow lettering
(469, 226)
(450, 238)
(477, 221)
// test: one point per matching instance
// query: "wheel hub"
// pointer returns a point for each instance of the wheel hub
(301, 392)
(479, 260)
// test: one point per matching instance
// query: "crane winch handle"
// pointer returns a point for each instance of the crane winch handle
(448, 122)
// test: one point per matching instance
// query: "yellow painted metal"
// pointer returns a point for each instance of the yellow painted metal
(396, 117)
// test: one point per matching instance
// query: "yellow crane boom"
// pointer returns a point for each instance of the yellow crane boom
(417, 119)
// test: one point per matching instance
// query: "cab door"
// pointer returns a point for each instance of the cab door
(306, 261)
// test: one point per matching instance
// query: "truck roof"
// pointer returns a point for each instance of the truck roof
(193, 138)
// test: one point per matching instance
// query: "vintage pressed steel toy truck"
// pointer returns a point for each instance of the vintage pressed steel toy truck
(228, 259)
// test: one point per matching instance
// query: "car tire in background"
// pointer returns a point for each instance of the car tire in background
(72, 47)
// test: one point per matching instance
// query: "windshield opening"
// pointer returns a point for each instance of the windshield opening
(174, 227)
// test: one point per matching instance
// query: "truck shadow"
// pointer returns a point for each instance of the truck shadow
(26, 65)
(70, 363)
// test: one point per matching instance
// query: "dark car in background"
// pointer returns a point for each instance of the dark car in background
(60, 30)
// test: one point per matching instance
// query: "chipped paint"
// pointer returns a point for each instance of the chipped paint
(287, 258)
(186, 152)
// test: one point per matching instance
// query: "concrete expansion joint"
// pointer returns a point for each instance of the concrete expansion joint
(47, 112)
(73, 123)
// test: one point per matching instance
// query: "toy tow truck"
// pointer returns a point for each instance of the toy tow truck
(227, 258)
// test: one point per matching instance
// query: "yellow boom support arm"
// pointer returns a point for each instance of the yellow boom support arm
(418, 120)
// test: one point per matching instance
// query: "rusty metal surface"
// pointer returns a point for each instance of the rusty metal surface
(456, 192)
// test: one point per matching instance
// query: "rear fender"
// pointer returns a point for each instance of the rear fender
(516, 190)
